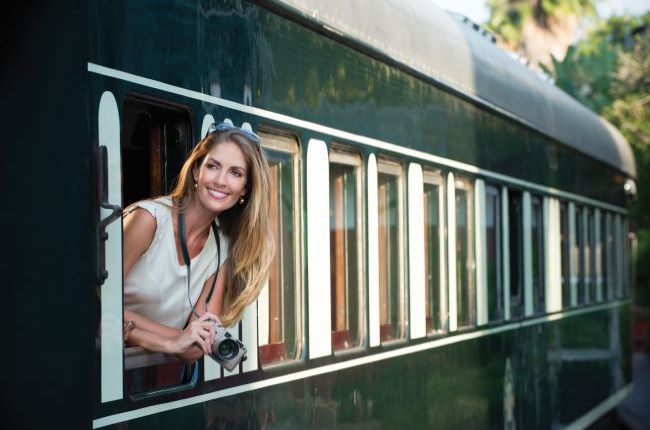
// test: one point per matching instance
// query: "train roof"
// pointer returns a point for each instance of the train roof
(431, 42)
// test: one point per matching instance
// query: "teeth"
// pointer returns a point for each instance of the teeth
(217, 194)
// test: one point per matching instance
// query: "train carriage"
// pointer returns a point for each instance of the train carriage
(452, 236)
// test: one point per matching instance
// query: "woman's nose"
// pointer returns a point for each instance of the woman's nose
(220, 177)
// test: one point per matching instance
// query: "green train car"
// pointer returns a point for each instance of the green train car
(453, 249)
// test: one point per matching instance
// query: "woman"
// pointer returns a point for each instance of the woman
(169, 308)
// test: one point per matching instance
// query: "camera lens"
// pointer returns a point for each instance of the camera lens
(227, 349)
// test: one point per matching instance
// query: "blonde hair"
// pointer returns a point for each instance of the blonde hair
(248, 226)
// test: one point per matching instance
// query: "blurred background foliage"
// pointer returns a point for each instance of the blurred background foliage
(607, 68)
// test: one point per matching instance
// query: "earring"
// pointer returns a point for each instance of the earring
(196, 185)
(241, 200)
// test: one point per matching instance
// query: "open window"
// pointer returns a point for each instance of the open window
(155, 138)
(346, 250)
(279, 304)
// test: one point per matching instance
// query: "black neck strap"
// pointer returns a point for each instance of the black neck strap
(186, 258)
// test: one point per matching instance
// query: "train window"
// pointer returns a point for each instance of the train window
(579, 254)
(392, 303)
(627, 250)
(435, 292)
(279, 305)
(565, 250)
(537, 244)
(604, 253)
(590, 257)
(155, 138)
(346, 257)
(516, 247)
(494, 253)
(619, 243)
(465, 285)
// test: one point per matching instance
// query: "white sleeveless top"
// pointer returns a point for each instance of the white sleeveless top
(156, 287)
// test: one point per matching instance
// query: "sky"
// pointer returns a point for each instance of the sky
(477, 11)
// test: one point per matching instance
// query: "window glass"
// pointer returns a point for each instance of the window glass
(608, 258)
(390, 233)
(590, 258)
(346, 260)
(435, 295)
(604, 270)
(627, 268)
(537, 243)
(494, 254)
(619, 244)
(465, 290)
(279, 309)
(515, 231)
(580, 254)
(565, 255)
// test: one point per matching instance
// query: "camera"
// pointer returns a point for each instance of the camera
(227, 350)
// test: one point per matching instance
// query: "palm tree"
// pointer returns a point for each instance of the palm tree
(538, 29)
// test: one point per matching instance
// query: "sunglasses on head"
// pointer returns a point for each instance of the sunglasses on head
(224, 126)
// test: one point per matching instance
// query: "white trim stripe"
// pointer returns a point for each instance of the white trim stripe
(108, 127)
(451, 251)
(196, 95)
(417, 296)
(480, 244)
(553, 255)
(334, 367)
(318, 255)
(373, 254)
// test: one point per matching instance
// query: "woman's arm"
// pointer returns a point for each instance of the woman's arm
(184, 343)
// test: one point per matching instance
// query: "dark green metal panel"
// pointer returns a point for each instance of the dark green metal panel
(295, 71)
(560, 371)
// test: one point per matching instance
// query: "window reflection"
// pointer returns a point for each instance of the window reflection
(391, 294)
(345, 251)
(279, 313)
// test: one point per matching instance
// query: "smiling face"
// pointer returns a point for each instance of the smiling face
(221, 177)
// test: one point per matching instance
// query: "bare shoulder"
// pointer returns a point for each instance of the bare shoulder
(139, 229)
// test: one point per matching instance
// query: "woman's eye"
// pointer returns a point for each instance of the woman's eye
(237, 173)
(211, 166)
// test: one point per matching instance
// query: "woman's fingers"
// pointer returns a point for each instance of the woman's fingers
(203, 334)
(210, 316)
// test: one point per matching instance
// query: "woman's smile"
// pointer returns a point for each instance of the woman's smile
(221, 178)
(219, 195)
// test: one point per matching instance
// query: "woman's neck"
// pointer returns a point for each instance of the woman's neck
(197, 221)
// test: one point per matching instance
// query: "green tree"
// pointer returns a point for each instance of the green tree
(538, 29)
(608, 72)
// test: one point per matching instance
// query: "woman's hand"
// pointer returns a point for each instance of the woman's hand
(200, 332)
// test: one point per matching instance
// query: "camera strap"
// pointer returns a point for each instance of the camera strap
(186, 258)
